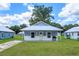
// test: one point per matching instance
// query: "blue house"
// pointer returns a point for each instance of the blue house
(5, 32)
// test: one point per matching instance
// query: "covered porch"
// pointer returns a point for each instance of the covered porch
(41, 35)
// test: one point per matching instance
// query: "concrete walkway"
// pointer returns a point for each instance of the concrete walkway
(8, 44)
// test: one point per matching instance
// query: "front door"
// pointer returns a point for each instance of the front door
(40, 35)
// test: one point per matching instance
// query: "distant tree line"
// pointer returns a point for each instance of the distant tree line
(66, 27)
(18, 28)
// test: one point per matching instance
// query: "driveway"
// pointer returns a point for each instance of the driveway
(9, 44)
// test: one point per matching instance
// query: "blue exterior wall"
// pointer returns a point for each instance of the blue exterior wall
(4, 35)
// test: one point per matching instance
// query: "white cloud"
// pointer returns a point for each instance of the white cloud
(4, 6)
(69, 20)
(30, 8)
(15, 19)
(69, 9)
(70, 13)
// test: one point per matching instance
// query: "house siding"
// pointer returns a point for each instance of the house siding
(4, 35)
(27, 35)
(72, 35)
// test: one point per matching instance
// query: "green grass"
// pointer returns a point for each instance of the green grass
(17, 37)
(10, 39)
(65, 47)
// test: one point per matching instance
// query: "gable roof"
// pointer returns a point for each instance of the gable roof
(5, 29)
(41, 23)
(42, 26)
(74, 29)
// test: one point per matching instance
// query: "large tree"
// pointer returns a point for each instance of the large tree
(23, 26)
(41, 13)
(15, 28)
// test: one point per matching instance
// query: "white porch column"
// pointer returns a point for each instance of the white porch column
(58, 36)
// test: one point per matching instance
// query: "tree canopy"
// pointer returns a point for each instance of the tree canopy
(66, 27)
(23, 26)
(41, 13)
(17, 28)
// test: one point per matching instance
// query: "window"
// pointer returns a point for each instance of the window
(49, 35)
(2, 35)
(68, 35)
(78, 34)
(32, 35)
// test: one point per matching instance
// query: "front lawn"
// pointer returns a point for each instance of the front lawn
(10, 39)
(64, 47)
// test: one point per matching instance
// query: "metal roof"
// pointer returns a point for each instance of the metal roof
(42, 28)
(5, 29)
(74, 29)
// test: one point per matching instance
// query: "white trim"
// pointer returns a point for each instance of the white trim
(36, 38)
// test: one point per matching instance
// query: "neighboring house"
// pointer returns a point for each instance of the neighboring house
(72, 33)
(21, 33)
(41, 31)
(5, 32)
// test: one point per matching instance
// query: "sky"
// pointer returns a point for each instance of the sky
(20, 13)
